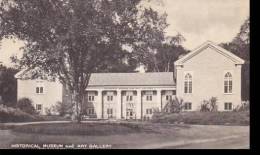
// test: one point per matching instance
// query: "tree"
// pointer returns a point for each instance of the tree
(240, 46)
(158, 52)
(62, 108)
(70, 39)
(8, 85)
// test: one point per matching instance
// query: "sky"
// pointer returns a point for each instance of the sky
(197, 20)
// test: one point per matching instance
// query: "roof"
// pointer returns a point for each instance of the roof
(132, 79)
(217, 48)
(123, 79)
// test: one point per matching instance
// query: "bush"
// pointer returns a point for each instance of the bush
(209, 105)
(8, 114)
(174, 106)
(62, 108)
(25, 104)
(48, 111)
(204, 118)
(245, 106)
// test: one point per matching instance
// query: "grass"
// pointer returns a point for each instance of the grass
(100, 129)
(54, 118)
(119, 135)
(204, 118)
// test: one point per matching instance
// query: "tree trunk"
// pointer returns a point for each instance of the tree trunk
(77, 101)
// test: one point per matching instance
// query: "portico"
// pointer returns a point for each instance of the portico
(127, 103)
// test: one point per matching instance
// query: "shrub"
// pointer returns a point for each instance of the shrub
(174, 106)
(62, 108)
(9, 114)
(245, 106)
(204, 118)
(25, 104)
(48, 111)
(209, 105)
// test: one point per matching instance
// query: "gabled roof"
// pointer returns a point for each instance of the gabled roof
(122, 79)
(32, 74)
(216, 48)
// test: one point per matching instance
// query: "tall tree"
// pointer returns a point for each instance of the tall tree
(240, 46)
(161, 56)
(156, 51)
(70, 39)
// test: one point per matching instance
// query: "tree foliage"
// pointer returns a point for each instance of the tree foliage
(8, 85)
(70, 39)
(240, 46)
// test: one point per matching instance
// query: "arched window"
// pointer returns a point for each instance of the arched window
(228, 83)
(188, 84)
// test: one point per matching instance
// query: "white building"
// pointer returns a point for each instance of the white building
(208, 71)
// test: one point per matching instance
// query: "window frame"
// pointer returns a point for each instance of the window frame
(91, 98)
(109, 111)
(39, 87)
(91, 111)
(149, 111)
(149, 97)
(187, 106)
(40, 90)
(228, 106)
(228, 82)
(129, 98)
(110, 98)
(188, 83)
(37, 107)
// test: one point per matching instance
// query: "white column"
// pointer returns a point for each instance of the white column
(99, 104)
(119, 103)
(159, 99)
(138, 104)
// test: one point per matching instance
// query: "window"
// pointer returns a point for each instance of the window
(91, 98)
(168, 97)
(91, 111)
(228, 83)
(109, 98)
(228, 106)
(38, 107)
(39, 87)
(109, 111)
(129, 98)
(39, 90)
(188, 84)
(149, 98)
(149, 111)
(187, 106)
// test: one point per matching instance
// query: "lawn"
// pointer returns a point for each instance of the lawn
(204, 118)
(121, 135)
(100, 129)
